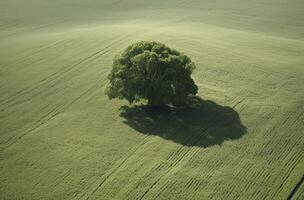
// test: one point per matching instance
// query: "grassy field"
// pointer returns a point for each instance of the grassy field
(61, 138)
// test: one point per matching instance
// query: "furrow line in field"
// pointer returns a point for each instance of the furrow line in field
(195, 184)
(170, 167)
(283, 146)
(162, 189)
(261, 173)
(230, 187)
(159, 167)
(246, 169)
(88, 58)
(179, 158)
(36, 124)
(272, 194)
(63, 178)
(298, 118)
(296, 188)
(239, 102)
(197, 141)
(258, 181)
(296, 156)
(287, 118)
(52, 114)
(270, 132)
(191, 183)
(258, 174)
(289, 171)
(56, 75)
(42, 49)
(117, 165)
(188, 154)
(266, 195)
(10, 104)
(153, 184)
(279, 145)
(176, 157)
(171, 156)
(68, 173)
(34, 29)
(245, 184)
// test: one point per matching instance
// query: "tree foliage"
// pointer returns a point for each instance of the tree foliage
(152, 71)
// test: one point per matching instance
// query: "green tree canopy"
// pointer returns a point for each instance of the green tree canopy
(152, 71)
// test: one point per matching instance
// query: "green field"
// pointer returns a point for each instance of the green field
(62, 138)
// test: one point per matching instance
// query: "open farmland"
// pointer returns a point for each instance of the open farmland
(62, 138)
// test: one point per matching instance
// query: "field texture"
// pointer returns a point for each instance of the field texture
(61, 138)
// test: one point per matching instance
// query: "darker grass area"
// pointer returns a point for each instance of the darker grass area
(200, 122)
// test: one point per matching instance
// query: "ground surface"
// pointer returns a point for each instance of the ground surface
(61, 138)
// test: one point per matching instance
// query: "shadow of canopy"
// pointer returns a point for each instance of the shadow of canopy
(200, 123)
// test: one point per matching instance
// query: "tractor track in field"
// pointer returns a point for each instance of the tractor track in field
(53, 77)
(185, 155)
(166, 185)
(45, 118)
(125, 160)
(56, 56)
(296, 188)
(176, 157)
(170, 167)
(289, 165)
(41, 27)
(41, 49)
(98, 183)
(175, 162)
(67, 174)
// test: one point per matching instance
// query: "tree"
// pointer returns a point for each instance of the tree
(151, 71)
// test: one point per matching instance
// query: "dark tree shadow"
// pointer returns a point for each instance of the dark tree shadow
(199, 123)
